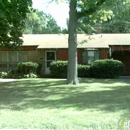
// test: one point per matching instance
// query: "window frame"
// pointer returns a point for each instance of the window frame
(8, 63)
(86, 51)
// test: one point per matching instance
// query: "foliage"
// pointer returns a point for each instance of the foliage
(120, 22)
(29, 75)
(12, 21)
(3, 74)
(59, 69)
(27, 67)
(113, 17)
(116, 27)
(83, 71)
(40, 23)
(107, 68)
(14, 74)
(39, 68)
(24, 70)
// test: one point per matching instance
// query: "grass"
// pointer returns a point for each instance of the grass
(50, 104)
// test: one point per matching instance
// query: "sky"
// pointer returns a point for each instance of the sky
(58, 11)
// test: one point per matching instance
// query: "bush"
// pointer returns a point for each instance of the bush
(83, 71)
(59, 69)
(107, 68)
(39, 68)
(24, 70)
(16, 75)
(27, 67)
(3, 74)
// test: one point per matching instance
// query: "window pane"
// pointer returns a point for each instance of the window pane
(3, 65)
(91, 57)
(22, 56)
(48, 63)
(50, 55)
(90, 60)
(84, 57)
(13, 65)
(91, 53)
(97, 55)
(3, 56)
(12, 57)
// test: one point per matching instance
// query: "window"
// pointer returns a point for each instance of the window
(22, 56)
(9, 59)
(12, 58)
(89, 56)
(50, 56)
(3, 59)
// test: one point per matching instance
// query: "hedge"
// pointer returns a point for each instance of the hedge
(107, 68)
(59, 69)
(27, 67)
(83, 71)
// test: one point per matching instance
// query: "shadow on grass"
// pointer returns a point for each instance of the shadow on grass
(47, 93)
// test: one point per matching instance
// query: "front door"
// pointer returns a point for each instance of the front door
(49, 57)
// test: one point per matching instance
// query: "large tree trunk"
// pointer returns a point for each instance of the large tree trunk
(72, 77)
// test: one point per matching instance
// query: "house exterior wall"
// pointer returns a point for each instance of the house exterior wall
(62, 54)
(33, 55)
(24, 48)
(39, 55)
(104, 53)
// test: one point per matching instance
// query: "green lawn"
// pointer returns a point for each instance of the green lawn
(95, 104)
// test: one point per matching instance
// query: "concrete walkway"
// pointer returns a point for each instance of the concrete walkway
(7, 80)
(125, 79)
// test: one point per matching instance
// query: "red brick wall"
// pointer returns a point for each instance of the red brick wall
(79, 56)
(104, 53)
(62, 54)
(24, 48)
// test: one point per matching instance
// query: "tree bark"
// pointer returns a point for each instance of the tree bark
(72, 77)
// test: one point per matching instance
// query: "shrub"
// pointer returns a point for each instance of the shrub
(3, 74)
(83, 71)
(30, 75)
(24, 70)
(58, 69)
(107, 68)
(39, 68)
(27, 67)
(12, 74)
(16, 75)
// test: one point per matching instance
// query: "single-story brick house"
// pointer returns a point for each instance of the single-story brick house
(44, 48)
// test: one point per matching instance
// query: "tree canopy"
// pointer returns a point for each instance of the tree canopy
(12, 16)
(39, 22)
(120, 21)
(113, 17)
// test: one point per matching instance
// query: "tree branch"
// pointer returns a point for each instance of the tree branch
(91, 10)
